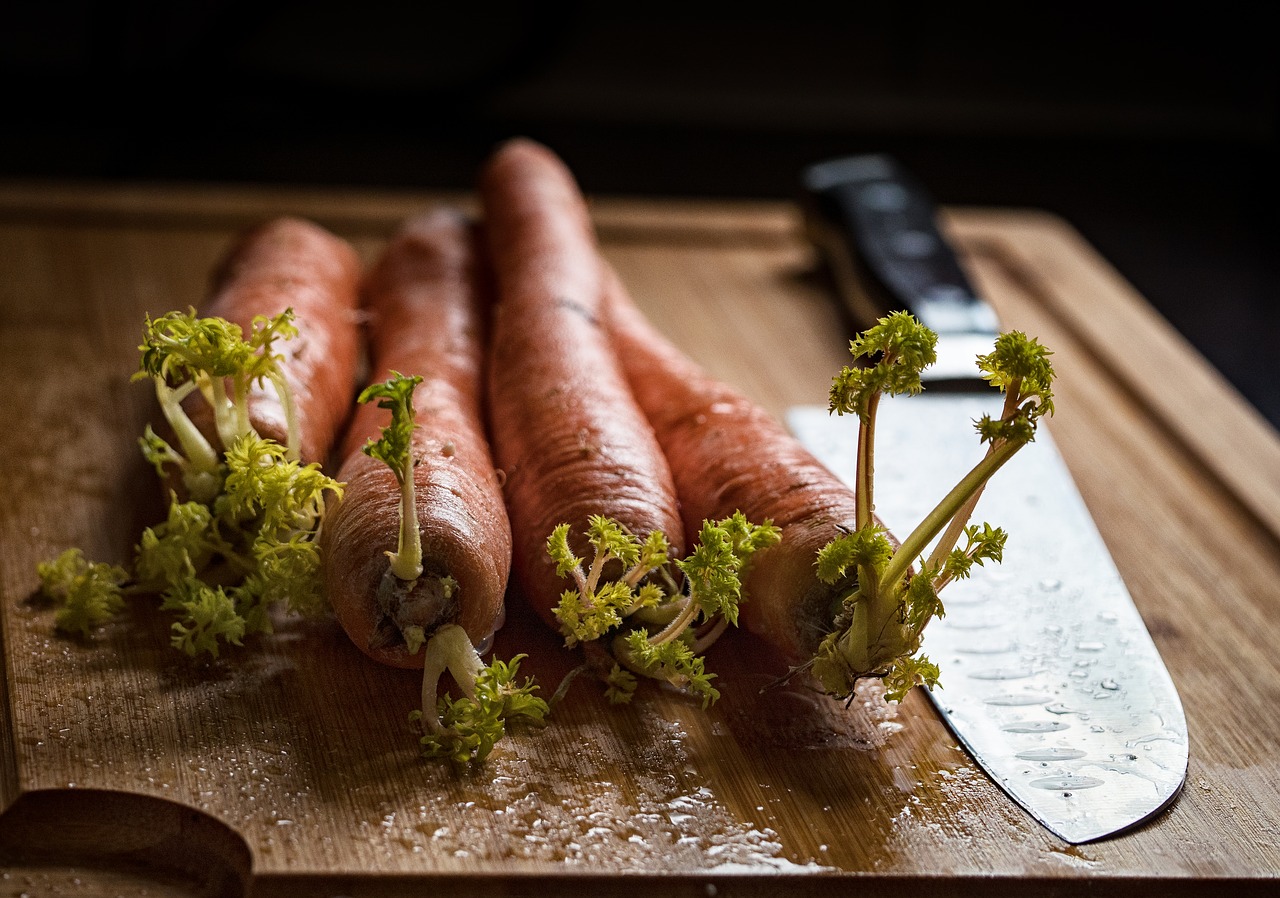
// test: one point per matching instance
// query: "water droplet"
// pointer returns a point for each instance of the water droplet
(1051, 754)
(1092, 646)
(1049, 584)
(1062, 783)
(1036, 726)
(1058, 708)
(1017, 699)
(1109, 684)
(1108, 617)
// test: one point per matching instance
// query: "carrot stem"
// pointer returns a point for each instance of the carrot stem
(945, 511)
(293, 436)
(865, 494)
(406, 564)
(677, 626)
(706, 640)
(593, 575)
(449, 649)
(960, 520)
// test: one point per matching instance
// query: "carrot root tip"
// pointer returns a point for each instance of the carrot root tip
(412, 610)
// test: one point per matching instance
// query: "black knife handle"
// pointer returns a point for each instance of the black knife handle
(877, 227)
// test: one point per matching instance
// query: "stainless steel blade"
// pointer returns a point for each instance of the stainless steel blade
(1049, 677)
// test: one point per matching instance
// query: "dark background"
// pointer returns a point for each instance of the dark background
(1152, 130)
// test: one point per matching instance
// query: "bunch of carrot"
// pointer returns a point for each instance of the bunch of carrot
(521, 417)
(595, 412)
(518, 309)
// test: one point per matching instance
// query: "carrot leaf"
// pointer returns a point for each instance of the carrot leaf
(902, 349)
(620, 601)
(620, 685)
(207, 617)
(243, 539)
(394, 447)
(183, 354)
(673, 661)
(714, 569)
(465, 730)
(560, 552)
(88, 594)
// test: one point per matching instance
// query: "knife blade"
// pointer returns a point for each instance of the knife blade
(1050, 679)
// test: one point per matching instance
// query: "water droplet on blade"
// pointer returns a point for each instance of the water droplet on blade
(1063, 783)
(1017, 699)
(1036, 726)
(1051, 754)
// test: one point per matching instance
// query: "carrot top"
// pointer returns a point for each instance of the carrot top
(881, 620)
(183, 353)
(647, 623)
(393, 448)
(244, 538)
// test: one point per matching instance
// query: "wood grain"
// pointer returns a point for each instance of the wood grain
(289, 769)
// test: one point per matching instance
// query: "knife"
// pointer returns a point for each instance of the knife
(1050, 679)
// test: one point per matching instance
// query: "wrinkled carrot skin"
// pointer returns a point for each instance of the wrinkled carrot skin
(566, 429)
(426, 300)
(293, 263)
(727, 454)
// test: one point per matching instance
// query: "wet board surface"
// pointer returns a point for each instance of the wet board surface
(288, 768)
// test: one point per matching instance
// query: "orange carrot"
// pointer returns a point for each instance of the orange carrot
(290, 263)
(727, 454)
(244, 395)
(427, 303)
(566, 429)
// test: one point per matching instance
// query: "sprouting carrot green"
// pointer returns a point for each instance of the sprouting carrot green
(183, 353)
(244, 540)
(643, 620)
(392, 447)
(239, 534)
(878, 629)
(465, 730)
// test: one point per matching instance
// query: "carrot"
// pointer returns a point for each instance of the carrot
(290, 263)
(427, 306)
(727, 454)
(244, 395)
(565, 427)
(417, 553)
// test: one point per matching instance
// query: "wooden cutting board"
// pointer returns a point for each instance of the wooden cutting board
(288, 768)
